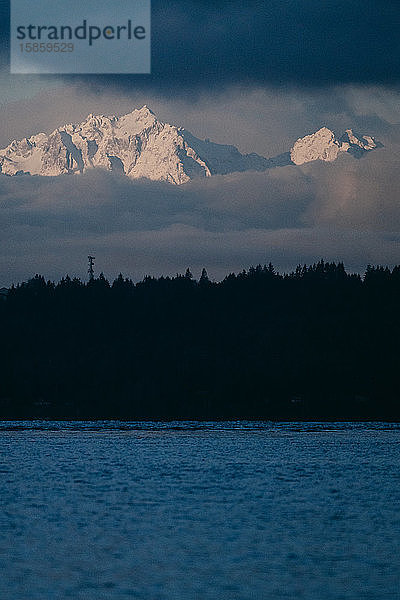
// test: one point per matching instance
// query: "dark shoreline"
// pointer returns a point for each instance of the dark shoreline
(203, 420)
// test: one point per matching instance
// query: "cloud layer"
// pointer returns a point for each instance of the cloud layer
(348, 210)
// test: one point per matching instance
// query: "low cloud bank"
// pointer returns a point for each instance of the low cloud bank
(348, 210)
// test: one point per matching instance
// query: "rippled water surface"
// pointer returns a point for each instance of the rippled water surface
(183, 511)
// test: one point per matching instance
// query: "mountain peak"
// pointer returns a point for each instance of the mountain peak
(324, 145)
(145, 110)
(140, 146)
(320, 145)
(136, 144)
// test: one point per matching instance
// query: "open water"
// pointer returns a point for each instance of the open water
(199, 511)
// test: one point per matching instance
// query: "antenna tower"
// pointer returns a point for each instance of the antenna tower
(91, 267)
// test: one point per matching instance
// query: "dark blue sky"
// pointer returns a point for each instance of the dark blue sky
(208, 44)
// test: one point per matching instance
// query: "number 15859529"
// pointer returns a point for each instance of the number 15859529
(47, 47)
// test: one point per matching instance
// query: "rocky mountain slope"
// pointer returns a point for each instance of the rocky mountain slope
(140, 145)
(323, 145)
(137, 143)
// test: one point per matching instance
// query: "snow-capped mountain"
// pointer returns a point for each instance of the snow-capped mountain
(137, 143)
(323, 145)
(140, 145)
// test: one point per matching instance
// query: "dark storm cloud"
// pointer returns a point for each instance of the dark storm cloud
(206, 44)
(277, 41)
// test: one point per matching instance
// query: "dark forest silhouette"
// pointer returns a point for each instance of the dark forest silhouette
(316, 343)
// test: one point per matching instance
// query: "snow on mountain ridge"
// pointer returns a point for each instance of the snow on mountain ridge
(137, 143)
(140, 145)
(323, 145)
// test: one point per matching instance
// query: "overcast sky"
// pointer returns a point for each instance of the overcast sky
(258, 75)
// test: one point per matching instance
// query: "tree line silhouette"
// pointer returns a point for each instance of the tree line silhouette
(317, 343)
